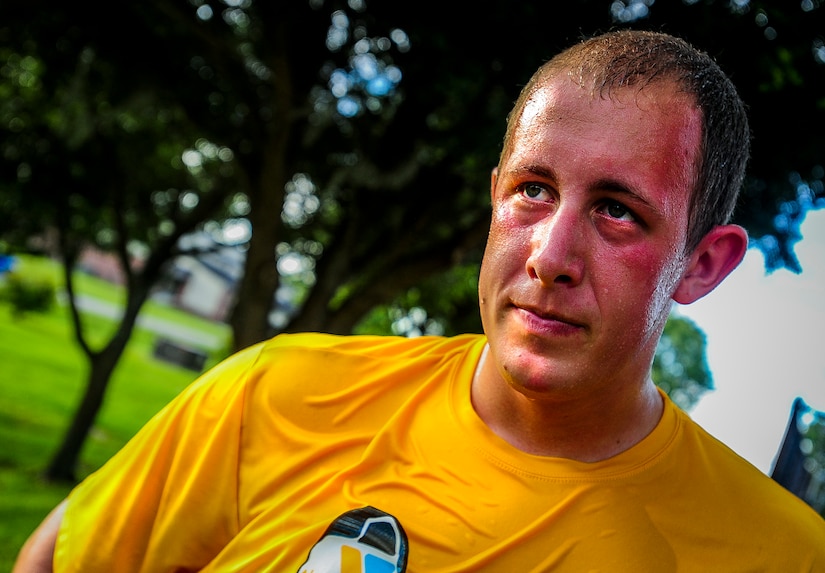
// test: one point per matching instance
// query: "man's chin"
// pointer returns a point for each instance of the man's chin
(538, 376)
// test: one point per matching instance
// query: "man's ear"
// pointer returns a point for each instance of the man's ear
(493, 180)
(719, 252)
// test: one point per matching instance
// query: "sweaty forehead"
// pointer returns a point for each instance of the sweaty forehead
(545, 104)
(645, 96)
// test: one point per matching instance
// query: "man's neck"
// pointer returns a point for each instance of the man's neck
(583, 428)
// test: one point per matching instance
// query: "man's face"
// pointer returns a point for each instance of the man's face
(586, 246)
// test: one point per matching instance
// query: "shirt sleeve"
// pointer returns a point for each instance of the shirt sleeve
(168, 500)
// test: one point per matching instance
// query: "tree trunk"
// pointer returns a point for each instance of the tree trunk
(256, 291)
(62, 467)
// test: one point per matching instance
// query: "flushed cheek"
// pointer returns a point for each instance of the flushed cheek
(632, 283)
(504, 223)
(507, 248)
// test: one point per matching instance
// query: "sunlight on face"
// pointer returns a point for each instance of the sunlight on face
(590, 211)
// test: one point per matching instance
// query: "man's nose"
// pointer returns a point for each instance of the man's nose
(556, 253)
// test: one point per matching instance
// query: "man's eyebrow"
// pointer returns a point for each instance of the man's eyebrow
(620, 188)
(532, 170)
(616, 186)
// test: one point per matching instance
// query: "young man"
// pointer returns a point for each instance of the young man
(541, 446)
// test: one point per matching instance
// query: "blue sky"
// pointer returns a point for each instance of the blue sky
(765, 346)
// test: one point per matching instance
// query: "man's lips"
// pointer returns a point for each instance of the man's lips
(548, 314)
(542, 321)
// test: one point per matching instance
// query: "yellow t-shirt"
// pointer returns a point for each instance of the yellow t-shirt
(311, 453)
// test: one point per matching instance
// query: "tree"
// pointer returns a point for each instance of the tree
(85, 110)
(680, 367)
(61, 142)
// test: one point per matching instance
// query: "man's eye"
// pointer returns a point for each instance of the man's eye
(618, 211)
(534, 190)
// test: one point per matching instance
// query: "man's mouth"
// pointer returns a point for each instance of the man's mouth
(548, 315)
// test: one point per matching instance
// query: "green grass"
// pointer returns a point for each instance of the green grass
(41, 381)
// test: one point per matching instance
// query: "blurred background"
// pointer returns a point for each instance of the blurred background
(183, 178)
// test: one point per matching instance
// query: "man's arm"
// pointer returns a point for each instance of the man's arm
(38, 551)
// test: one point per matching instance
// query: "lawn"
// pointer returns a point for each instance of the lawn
(41, 381)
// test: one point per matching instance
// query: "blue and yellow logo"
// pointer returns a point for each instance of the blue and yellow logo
(364, 540)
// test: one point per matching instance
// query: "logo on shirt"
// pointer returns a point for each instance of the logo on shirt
(365, 540)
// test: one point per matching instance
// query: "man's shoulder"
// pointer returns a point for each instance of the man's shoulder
(317, 350)
(738, 486)
(296, 366)
(368, 343)
(332, 384)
